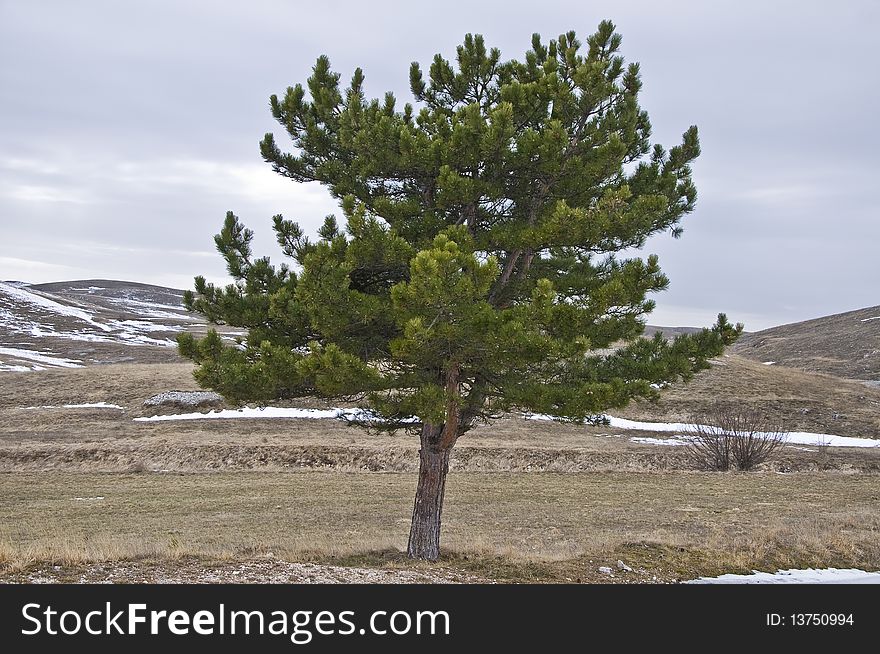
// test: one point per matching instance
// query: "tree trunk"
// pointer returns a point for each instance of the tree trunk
(424, 534)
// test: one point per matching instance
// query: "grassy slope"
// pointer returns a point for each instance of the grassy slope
(845, 345)
(799, 400)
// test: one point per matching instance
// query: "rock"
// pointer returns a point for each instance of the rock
(623, 566)
(605, 570)
(184, 399)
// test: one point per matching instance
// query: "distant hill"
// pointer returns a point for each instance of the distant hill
(845, 345)
(92, 321)
(82, 322)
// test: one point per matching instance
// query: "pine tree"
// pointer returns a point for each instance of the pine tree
(477, 269)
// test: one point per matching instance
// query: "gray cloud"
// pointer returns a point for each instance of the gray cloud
(129, 129)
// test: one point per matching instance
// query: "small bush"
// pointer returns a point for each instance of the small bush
(726, 437)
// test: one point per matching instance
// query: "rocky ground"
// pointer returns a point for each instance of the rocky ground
(261, 571)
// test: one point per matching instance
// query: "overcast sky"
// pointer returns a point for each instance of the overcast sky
(129, 129)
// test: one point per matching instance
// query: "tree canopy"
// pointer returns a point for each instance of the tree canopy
(477, 269)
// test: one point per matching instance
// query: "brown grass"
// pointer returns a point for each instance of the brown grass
(705, 522)
(526, 501)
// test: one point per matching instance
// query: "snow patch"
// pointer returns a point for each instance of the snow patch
(40, 358)
(769, 363)
(794, 437)
(271, 412)
(808, 576)
(142, 325)
(140, 339)
(9, 368)
(46, 304)
(867, 319)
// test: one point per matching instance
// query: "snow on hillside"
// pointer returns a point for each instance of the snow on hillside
(44, 304)
(39, 358)
(71, 324)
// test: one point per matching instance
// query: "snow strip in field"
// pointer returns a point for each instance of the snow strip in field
(794, 437)
(95, 405)
(40, 358)
(269, 412)
(874, 318)
(50, 305)
(808, 576)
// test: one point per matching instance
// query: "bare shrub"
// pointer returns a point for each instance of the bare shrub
(738, 437)
(823, 445)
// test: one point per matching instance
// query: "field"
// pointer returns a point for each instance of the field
(89, 494)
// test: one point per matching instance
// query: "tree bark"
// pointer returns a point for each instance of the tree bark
(424, 534)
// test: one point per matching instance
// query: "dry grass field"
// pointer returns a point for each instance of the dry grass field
(91, 495)
(496, 524)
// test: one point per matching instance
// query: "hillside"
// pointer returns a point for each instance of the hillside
(801, 401)
(845, 345)
(77, 323)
